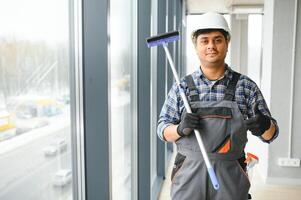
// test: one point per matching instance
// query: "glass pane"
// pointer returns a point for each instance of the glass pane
(122, 65)
(35, 149)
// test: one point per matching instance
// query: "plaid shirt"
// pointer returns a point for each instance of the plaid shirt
(247, 95)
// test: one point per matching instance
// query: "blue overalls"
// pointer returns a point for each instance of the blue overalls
(224, 136)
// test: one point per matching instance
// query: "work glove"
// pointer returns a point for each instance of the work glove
(259, 123)
(189, 122)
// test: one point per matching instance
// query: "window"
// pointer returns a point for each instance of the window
(122, 69)
(35, 136)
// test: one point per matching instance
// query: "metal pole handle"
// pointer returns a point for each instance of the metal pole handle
(210, 170)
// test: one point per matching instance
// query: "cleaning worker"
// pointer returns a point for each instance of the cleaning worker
(225, 105)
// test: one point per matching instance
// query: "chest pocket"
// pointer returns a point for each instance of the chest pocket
(216, 127)
(215, 120)
(214, 112)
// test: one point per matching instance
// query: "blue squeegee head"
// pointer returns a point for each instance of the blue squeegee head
(163, 38)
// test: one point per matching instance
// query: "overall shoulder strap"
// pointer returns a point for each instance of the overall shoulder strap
(230, 90)
(193, 92)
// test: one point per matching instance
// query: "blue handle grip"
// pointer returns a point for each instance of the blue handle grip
(213, 178)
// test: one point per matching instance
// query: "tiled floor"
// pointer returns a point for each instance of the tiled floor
(259, 190)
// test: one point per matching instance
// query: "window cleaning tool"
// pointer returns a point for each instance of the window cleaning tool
(251, 161)
(163, 39)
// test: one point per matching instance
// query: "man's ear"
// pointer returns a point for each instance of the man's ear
(228, 41)
(195, 47)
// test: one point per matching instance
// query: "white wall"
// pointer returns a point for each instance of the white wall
(276, 85)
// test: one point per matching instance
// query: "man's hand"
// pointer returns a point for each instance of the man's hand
(258, 124)
(189, 122)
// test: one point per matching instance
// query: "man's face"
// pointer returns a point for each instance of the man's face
(211, 48)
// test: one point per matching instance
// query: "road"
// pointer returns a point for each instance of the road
(27, 173)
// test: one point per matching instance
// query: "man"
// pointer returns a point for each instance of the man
(225, 106)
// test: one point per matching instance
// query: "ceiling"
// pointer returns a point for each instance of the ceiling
(224, 6)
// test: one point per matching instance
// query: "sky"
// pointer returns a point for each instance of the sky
(35, 19)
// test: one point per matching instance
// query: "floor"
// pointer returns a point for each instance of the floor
(259, 190)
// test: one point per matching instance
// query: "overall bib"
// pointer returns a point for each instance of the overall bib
(224, 136)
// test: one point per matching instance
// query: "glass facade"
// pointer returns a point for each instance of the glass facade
(122, 68)
(35, 134)
(80, 92)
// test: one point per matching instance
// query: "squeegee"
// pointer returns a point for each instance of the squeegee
(163, 39)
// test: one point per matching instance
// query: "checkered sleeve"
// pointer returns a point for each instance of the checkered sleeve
(171, 111)
(256, 98)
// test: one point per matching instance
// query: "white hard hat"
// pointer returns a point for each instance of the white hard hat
(212, 20)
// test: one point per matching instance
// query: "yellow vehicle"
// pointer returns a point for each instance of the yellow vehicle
(7, 128)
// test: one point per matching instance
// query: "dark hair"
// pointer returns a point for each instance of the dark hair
(196, 33)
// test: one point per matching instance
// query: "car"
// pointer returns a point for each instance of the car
(61, 145)
(50, 150)
(62, 178)
(26, 111)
